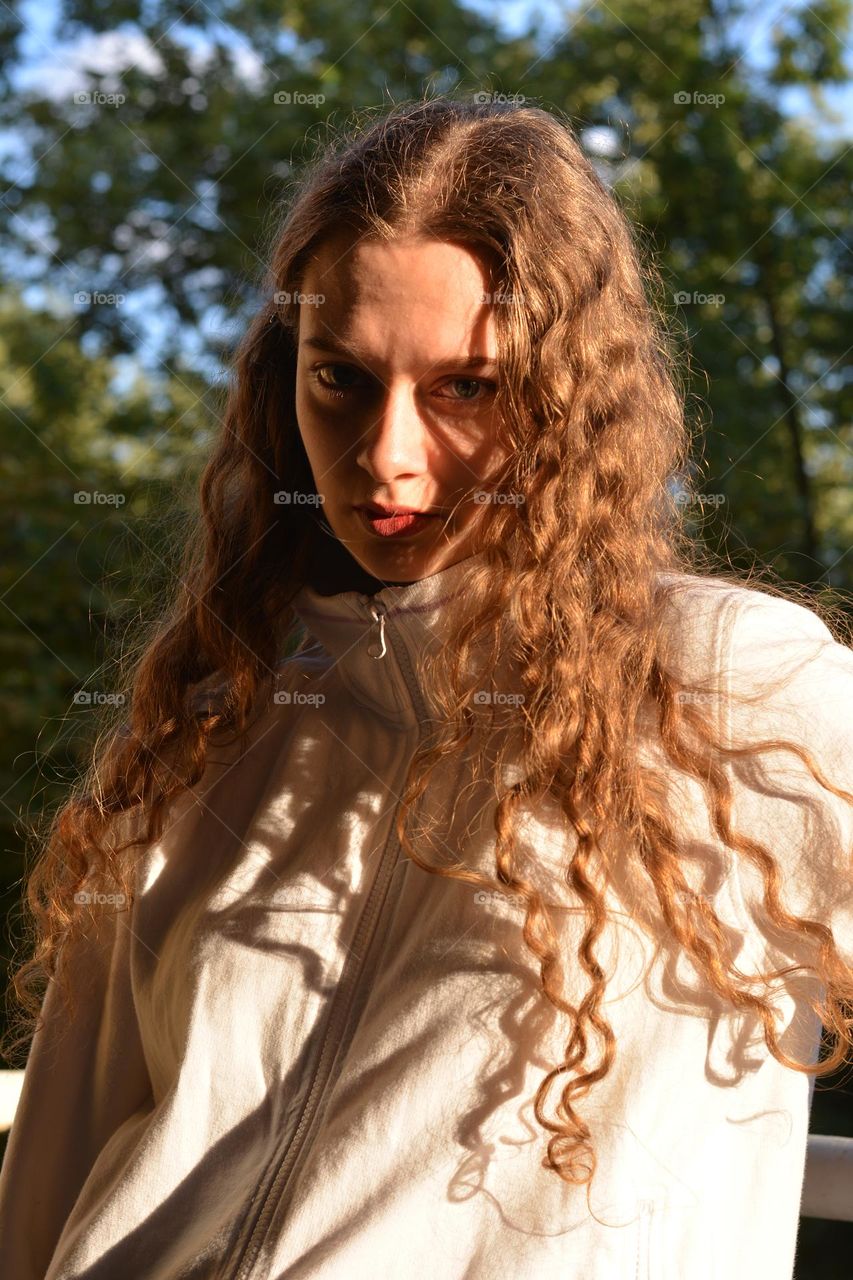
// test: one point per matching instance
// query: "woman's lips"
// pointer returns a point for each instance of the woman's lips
(395, 525)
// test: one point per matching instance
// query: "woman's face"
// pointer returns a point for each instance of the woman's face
(395, 383)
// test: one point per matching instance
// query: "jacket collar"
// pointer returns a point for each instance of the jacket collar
(417, 618)
(375, 642)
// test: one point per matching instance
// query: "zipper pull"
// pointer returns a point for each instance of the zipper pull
(378, 613)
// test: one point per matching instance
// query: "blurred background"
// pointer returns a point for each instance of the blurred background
(142, 149)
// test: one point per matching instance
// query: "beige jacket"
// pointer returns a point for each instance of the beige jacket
(300, 1056)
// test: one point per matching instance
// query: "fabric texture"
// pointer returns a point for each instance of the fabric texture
(301, 1056)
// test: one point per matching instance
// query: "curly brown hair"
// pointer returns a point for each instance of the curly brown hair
(571, 588)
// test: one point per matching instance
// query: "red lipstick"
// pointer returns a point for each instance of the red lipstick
(394, 522)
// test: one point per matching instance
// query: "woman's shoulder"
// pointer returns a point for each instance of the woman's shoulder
(208, 696)
(717, 592)
(777, 665)
(736, 619)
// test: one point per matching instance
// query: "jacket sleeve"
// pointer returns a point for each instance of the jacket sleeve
(799, 681)
(85, 1076)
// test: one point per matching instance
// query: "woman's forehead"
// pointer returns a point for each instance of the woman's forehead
(375, 297)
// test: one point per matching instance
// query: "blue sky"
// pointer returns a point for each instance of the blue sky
(52, 63)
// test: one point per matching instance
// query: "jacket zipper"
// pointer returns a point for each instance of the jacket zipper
(345, 1002)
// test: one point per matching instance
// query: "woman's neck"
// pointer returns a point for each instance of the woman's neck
(333, 570)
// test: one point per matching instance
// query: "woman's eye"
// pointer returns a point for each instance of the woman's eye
(477, 384)
(336, 392)
(328, 377)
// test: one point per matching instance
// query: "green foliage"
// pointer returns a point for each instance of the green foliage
(89, 475)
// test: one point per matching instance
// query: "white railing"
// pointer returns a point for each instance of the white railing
(827, 1186)
(10, 1087)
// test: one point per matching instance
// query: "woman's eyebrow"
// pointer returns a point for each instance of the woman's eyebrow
(457, 362)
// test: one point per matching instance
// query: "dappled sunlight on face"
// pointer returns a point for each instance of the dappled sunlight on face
(395, 400)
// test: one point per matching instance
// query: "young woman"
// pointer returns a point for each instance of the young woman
(463, 895)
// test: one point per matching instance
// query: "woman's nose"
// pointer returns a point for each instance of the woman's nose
(394, 441)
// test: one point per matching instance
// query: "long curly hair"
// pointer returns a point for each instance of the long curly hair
(570, 589)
